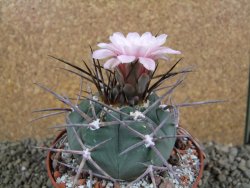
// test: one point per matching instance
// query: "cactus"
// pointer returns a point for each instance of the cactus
(130, 141)
(124, 131)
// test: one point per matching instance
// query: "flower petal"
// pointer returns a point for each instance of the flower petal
(103, 53)
(126, 58)
(111, 63)
(161, 56)
(133, 36)
(165, 50)
(171, 51)
(117, 39)
(147, 63)
(103, 45)
(161, 39)
(146, 36)
(108, 46)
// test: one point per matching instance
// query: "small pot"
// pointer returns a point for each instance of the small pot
(56, 185)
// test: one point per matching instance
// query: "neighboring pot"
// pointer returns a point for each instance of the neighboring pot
(62, 133)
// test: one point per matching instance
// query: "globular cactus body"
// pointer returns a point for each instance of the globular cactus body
(125, 166)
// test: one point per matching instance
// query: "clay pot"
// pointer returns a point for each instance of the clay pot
(55, 185)
(201, 158)
(49, 162)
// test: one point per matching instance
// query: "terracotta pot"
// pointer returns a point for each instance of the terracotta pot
(52, 179)
(49, 162)
(201, 157)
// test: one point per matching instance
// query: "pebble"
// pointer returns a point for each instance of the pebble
(248, 164)
(216, 171)
(247, 173)
(222, 178)
(224, 149)
(233, 151)
(242, 165)
(231, 158)
(244, 185)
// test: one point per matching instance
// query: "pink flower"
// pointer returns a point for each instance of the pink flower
(145, 48)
